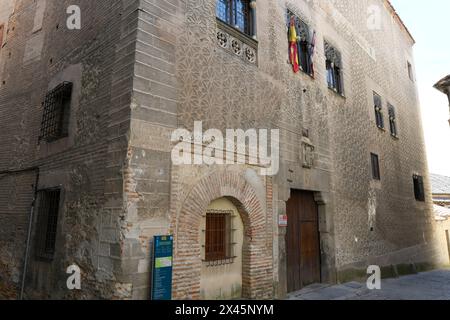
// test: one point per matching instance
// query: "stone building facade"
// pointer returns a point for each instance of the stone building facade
(138, 71)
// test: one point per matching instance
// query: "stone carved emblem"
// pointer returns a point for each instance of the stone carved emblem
(307, 153)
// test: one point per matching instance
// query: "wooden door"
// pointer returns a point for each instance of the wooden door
(302, 241)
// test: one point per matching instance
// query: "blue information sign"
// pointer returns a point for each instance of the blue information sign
(162, 268)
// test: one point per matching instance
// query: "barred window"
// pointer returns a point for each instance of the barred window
(378, 105)
(419, 190)
(392, 121)
(218, 236)
(305, 42)
(55, 120)
(47, 222)
(375, 166)
(236, 13)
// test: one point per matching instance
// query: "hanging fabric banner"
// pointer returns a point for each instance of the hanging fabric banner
(293, 48)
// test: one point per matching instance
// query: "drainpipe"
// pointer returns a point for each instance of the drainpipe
(30, 229)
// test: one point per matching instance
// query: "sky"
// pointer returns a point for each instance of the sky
(428, 21)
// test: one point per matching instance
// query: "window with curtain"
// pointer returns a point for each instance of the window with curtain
(378, 106)
(334, 68)
(236, 13)
(392, 121)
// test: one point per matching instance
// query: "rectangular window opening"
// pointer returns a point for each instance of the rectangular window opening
(55, 120)
(218, 237)
(419, 191)
(48, 211)
(305, 44)
(376, 175)
(378, 106)
(334, 69)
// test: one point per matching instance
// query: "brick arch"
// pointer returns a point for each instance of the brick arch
(257, 254)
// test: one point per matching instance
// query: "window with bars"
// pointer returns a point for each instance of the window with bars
(55, 120)
(419, 190)
(378, 105)
(236, 13)
(392, 121)
(47, 222)
(376, 175)
(305, 42)
(218, 236)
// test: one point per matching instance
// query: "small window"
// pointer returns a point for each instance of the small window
(47, 222)
(301, 44)
(419, 191)
(55, 120)
(376, 175)
(334, 68)
(378, 105)
(236, 13)
(218, 236)
(410, 72)
(392, 121)
(1, 35)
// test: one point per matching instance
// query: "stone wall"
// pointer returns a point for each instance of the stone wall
(38, 53)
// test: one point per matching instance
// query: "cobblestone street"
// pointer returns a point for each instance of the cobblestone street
(433, 285)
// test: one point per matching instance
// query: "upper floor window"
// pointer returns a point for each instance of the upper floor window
(301, 44)
(376, 175)
(410, 71)
(334, 68)
(1, 35)
(392, 121)
(48, 212)
(378, 106)
(55, 120)
(236, 13)
(419, 190)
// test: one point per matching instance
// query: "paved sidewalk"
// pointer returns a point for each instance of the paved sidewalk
(433, 285)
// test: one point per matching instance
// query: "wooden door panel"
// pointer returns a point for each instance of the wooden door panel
(302, 241)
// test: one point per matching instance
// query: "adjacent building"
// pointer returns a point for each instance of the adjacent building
(440, 190)
(444, 86)
(87, 122)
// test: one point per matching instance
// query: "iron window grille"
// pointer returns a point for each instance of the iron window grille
(55, 120)
(334, 69)
(236, 13)
(419, 190)
(47, 222)
(392, 121)
(378, 106)
(375, 166)
(219, 234)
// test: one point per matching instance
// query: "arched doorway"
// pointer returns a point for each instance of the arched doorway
(222, 239)
(240, 189)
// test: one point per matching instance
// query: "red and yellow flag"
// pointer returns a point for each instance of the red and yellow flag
(293, 49)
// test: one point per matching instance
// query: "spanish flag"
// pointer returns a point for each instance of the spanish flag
(293, 49)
